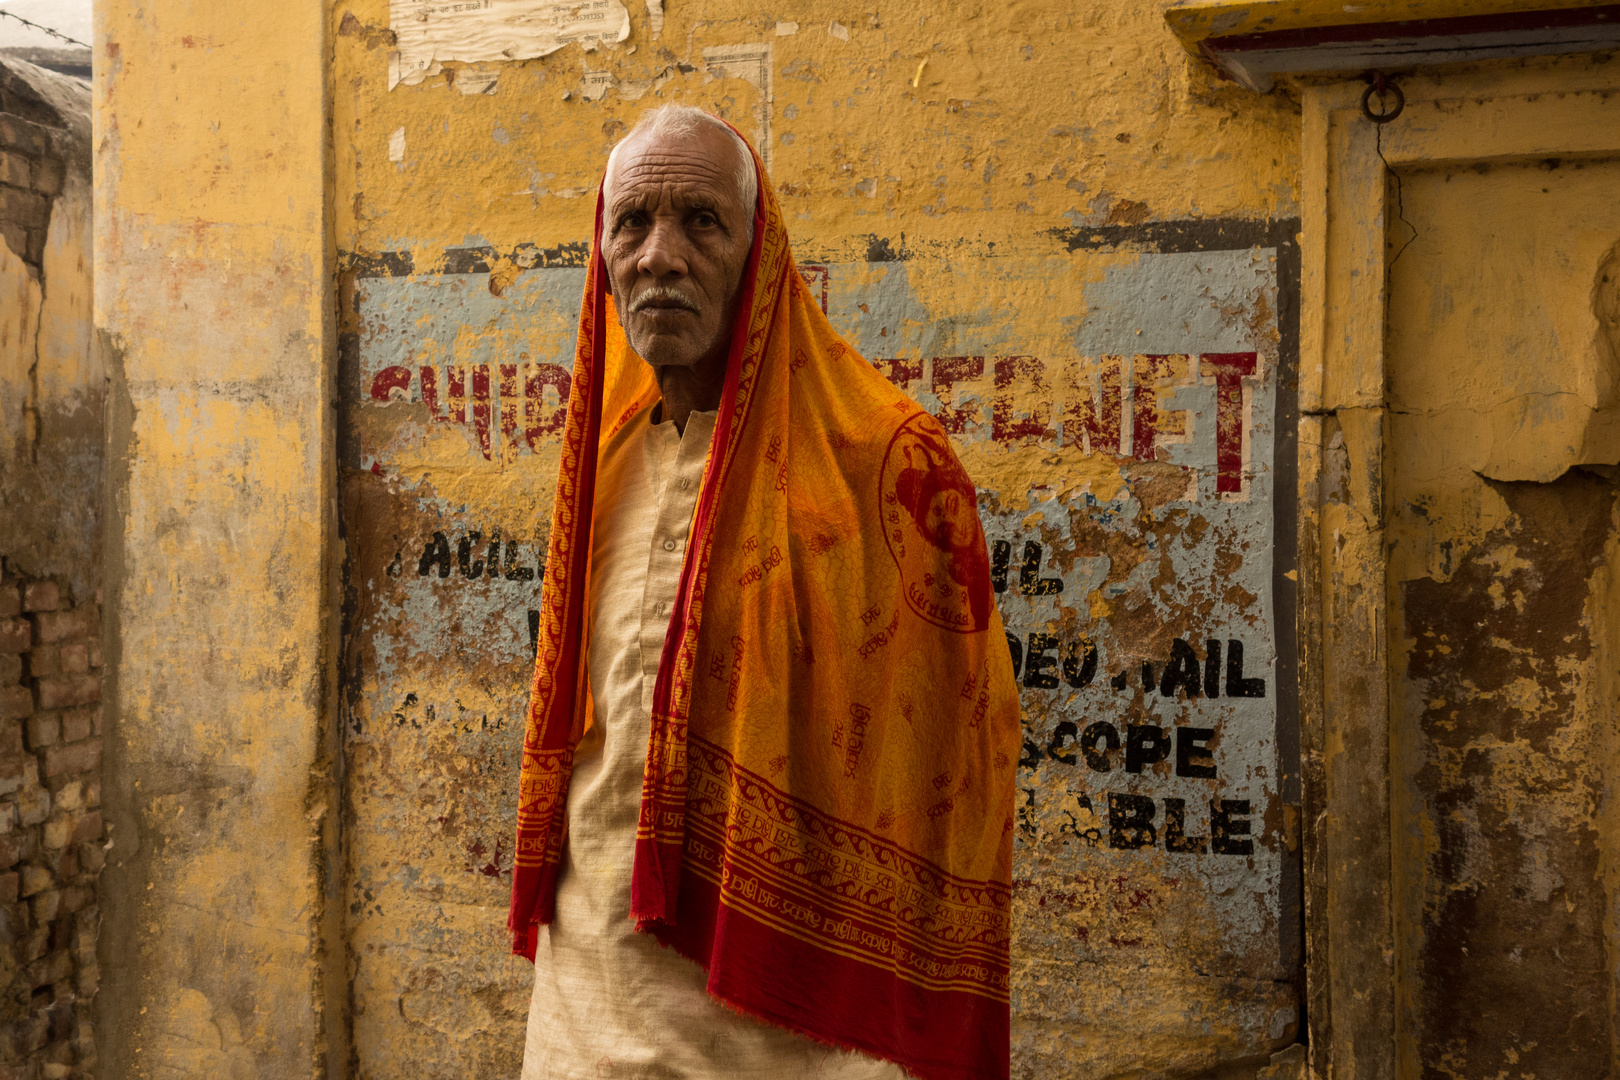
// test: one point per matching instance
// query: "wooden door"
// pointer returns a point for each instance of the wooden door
(1461, 269)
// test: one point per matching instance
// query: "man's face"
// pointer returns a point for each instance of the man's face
(677, 242)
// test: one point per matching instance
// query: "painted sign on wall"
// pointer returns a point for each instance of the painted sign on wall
(1119, 413)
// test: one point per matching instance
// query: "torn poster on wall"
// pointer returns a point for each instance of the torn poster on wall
(429, 32)
(752, 64)
(1117, 412)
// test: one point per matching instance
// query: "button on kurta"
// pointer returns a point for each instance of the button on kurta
(669, 545)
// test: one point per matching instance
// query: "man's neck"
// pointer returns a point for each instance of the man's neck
(687, 390)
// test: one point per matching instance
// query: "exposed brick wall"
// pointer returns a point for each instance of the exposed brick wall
(31, 170)
(52, 840)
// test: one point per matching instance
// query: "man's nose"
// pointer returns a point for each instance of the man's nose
(664, 253)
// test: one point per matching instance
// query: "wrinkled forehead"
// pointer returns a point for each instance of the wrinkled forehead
(682, 169)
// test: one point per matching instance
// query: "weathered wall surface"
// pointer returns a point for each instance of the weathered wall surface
(1053, 229)
(213, 305)
(52, 846)
(50, 377)
(51, 835)
(1059, 234)
(1501, 578)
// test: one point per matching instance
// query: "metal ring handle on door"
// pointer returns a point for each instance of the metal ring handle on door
(1382, 87)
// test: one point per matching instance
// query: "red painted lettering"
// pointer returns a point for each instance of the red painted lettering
(430, 391)
(1228, 370)
(948, 371)
(1004, 427)
(1148, 421)
(509, 409)
(388, 380)
(481, 406)
(536, 422)
(815, 283)
(900, 371)
(456, 406)
(1092, 412)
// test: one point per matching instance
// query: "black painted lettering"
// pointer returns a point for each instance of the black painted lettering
(514, 572)
(1147, 678)
(1192, 756)
(534, 633)
(436, 552)
(1228, 820)
(1000, 556)
(1028, 581)
(470, 567)
(1037, 661)
(1026, 813)
(1119, 682)
(1029, 755)
(1071, 827)
(1175, 829)
(492, 558)
(1108, 736)
(1080, 662)
(1130, 821)
(1181, 672)
(1236, 684)
(1144, 745)
(1212, 669)
(1015, 649)
(1061, 745)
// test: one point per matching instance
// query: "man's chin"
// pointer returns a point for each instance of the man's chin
(660, 352)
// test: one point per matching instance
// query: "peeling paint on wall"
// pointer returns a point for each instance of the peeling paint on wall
(1501, 486)
(1074, 267)
(428, 32)
(1137, 590)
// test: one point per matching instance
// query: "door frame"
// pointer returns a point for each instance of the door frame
(1498, 113)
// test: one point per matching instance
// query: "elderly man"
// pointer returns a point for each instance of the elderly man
(765, 817)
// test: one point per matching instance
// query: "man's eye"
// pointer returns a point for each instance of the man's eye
(704, 219)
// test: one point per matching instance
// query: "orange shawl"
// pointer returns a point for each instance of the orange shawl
(826, 816)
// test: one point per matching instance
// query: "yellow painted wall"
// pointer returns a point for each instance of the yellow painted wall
(1041, 181)
(214, 305)
(320, 572)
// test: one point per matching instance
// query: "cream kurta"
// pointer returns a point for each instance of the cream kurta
(610, 1002)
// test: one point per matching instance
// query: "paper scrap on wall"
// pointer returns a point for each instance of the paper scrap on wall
(752, 64)
(477, 78)
(431, 31)
(597, 84)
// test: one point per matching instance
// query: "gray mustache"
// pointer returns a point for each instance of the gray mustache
(663, 294)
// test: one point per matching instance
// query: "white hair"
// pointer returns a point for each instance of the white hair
(678, 119)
